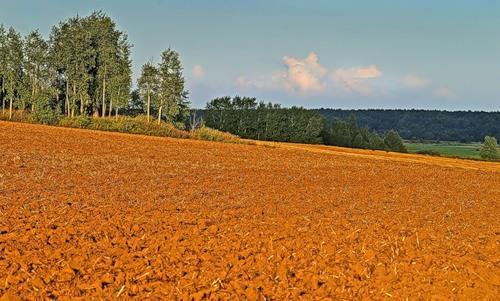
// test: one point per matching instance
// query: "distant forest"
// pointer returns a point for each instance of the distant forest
(248, 118)
(463, 126)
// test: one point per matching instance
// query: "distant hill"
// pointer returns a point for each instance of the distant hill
(464, 126)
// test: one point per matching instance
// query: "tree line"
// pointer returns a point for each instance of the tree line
(347, 133)
(84, 69)
(463, 126)
(244, 117)
(247, 118)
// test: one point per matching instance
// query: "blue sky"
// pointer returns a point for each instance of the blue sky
(342, 54)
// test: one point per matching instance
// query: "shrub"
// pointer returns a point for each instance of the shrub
(126, 124)
(104, 124)
(206, 133)
(137, 125)
(154, 129)
(142, 118)
(489, 149)
(45, 116)
(81, 122)
(17, 116)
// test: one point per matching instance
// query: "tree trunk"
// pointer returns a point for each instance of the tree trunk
(265, 129)
(81, 105)
(166, 112)
(149, 105)
(67, 98)
(10, 108)
(116, 114)
(74, 101)
(3, 96)
(33, 97)
(104, 93)
(110, 106)
(95, 107)
(159, 114)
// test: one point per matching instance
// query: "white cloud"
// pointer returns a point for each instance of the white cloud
(443, 92)
(306, 76)
(198, 71)
(358, 80)
(301, 76)
(415, 82)
(359, 73)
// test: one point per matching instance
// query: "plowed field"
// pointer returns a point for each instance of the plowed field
(105, 215)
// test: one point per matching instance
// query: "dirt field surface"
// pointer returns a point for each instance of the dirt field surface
(105, 215)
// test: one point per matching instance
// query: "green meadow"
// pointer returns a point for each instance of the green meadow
(448, 149)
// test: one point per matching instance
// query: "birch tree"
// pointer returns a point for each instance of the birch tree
(172, 98)
(14, 67)
(148, 86)
(36, 66)
(120, 81)
(74, 59)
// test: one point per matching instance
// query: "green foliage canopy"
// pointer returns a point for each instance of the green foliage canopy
(489, 149)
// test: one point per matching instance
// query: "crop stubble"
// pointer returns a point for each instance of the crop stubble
(87, 213)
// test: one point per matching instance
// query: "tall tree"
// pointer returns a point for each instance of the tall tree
(107, 41)
(148, 85)
(36, 66)
(120, 80)
(376, 142)
(172, 98)
(393, 142)
(14, 67)
(74, 57)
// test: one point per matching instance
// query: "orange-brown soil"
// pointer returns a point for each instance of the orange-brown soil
(106, 215)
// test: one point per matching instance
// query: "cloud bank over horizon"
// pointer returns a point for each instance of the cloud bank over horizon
(307, 78)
